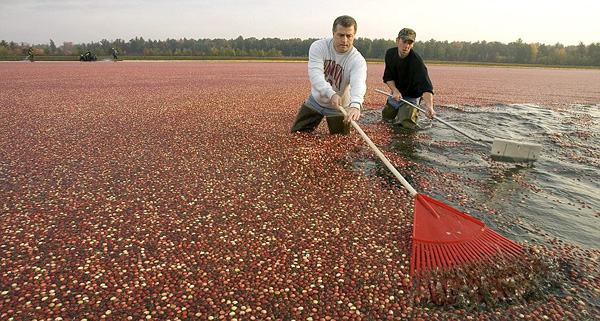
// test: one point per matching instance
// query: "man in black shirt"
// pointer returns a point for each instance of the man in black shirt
(407, 77)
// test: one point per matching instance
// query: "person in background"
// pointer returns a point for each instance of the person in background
(30, 54)
(406, 76)
(338, 75)
(114, 53)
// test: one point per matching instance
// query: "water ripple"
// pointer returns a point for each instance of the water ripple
(555, 197)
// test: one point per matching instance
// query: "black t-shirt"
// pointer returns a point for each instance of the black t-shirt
(409, 74)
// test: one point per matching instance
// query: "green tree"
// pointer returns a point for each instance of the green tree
(379, 47)
(593, 52)
(481, 51)
(53, 48)
(453, 51)
(534, 49)
(4, 49)
(518, 52)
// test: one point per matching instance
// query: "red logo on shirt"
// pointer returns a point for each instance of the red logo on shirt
(333, 73)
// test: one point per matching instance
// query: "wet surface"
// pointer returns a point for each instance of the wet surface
(557, 194)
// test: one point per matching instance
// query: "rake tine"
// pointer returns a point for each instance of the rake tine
(480, 244)
(430, 256)
(459, 256)
(469, 254)
(421, 257)
(446, 257)
(494, 244)
(508, 245)
(415, 257)
(437, 256)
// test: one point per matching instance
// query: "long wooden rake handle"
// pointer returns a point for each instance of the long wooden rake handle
(482, 138)
(384, 159)
(391, 167)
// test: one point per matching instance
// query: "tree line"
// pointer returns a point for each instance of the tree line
(517, 52)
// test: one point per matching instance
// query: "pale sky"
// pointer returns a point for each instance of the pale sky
(543, 21)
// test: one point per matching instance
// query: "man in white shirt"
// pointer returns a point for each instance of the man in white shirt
(338, 75)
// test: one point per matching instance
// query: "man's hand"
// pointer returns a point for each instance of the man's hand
(396, 95)
(336, 101)
(428, 99)
(353, 114)
(429, 112)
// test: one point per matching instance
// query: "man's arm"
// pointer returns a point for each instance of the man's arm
(396, 95)
(358, 88)
(316, 72)
(428, 99)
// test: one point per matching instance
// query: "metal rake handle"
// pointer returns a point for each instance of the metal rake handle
(482, 138)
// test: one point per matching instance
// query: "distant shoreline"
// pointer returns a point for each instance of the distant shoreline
(278, 59)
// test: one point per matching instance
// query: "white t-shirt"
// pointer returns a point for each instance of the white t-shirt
(331, 72)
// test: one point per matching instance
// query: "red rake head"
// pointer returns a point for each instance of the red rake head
(444, 237)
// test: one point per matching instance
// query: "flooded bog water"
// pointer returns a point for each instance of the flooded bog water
(553, 197)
